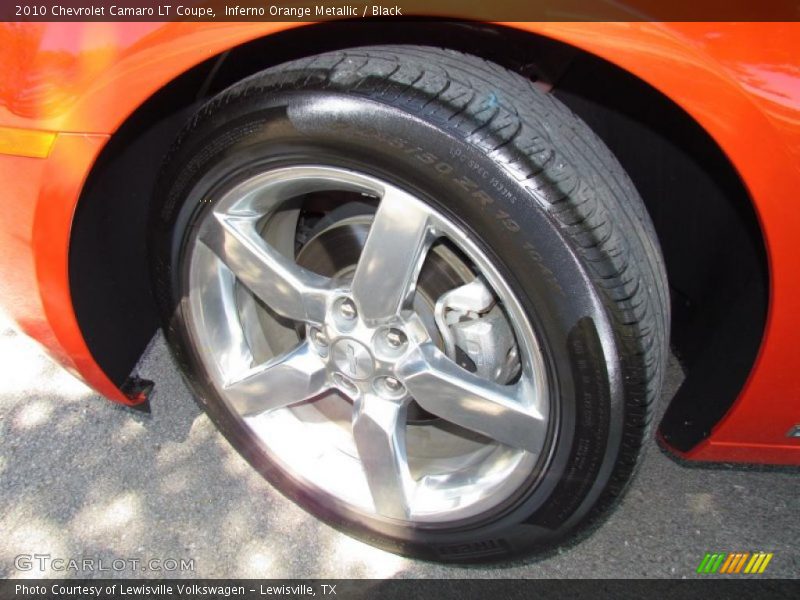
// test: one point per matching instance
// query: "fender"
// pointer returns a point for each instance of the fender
(82, 80)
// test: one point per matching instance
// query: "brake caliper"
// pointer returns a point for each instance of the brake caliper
(476, 332)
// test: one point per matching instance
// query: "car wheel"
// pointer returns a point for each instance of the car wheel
(418, 295)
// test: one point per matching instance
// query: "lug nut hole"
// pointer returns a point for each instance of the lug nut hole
(344, 314)
(389, 387)
(344, 384)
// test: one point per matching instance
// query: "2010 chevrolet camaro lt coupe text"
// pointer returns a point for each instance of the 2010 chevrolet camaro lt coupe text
(425, 276)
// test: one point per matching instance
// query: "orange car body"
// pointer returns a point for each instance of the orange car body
(70, 86)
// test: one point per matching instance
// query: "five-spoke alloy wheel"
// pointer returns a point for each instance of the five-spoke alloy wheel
(367, 342)
(418, 295)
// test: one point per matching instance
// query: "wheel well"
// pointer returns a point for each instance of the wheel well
(709, 231)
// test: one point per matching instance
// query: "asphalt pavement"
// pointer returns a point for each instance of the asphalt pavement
(82, 478)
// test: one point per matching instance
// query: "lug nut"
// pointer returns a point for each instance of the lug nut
(395, 338)
(392, 384)
(389, 387)
(319, 338)
(347, 309)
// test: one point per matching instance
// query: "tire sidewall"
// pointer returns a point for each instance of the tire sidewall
(512, 226)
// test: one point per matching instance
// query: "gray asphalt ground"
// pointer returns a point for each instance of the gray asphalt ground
(80, 477)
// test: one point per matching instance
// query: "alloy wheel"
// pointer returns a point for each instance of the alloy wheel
(325, 369)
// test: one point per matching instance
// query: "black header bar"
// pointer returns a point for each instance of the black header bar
(321, 10)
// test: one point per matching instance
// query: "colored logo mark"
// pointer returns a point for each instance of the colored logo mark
(734, 562)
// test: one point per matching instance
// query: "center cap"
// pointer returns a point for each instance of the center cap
(352, 358)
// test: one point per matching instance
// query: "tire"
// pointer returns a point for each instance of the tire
(538, 207)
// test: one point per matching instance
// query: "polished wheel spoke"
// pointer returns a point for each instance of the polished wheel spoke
(379, 433)
(386, 275)
(288, 289)
(443, 388)
(294, 377)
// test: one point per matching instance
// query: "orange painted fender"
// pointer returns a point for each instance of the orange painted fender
(739, 81)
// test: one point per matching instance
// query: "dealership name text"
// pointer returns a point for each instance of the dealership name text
(162, 589)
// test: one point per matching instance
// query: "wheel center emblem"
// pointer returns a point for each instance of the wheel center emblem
(352, 358)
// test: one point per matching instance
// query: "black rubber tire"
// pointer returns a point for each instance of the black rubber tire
(525, 178)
